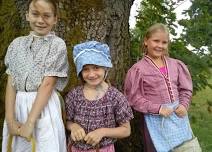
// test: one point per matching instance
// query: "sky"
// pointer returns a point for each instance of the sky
(136, 5)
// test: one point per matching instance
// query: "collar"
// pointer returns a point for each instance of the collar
(163, 57)
(45, 37)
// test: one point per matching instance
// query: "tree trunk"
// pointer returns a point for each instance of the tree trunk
(80, 20)
(105, 21)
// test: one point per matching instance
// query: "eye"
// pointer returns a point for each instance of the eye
(85, 69)
(35, 14)
(96, 67)
(156, 40)
(47, 16)
(165, 42)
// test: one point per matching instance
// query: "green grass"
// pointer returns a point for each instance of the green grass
(201, 118)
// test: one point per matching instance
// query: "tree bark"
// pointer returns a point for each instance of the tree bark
(105, 21)
(101, 20)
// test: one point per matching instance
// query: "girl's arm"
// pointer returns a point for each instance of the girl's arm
(122, 131)
(10, 101)
(41, 100)
(185, 89)
(122, 114)
(10, 97)
(134, 91)
(77, 132)
(95, 136)
(184, 85)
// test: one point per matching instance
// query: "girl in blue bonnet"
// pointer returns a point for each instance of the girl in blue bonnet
(37, 66)
(96, 112)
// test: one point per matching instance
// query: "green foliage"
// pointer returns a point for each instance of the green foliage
(198, 33)
(198, 29)
(163, 11)
(151, 12)
(9, 29)
(156, 11)
(9, 25)
(200, 116)
(198, 66)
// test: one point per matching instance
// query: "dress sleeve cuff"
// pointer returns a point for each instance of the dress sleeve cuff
(154, 108)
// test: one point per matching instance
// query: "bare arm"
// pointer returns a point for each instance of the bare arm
(41, 100)
(122, 131)
(77, 132)
(10, 98)
(95, 136)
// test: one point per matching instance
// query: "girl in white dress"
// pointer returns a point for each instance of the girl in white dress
(37, 66)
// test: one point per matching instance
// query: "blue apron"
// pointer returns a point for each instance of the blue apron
(168, 132)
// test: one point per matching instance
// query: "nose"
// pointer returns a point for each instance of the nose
(160, 44)
(91, 74)
(40, 20)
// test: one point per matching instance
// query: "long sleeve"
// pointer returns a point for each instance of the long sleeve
(185, 85)
(134, 91)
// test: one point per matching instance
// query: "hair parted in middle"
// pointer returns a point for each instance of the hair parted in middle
(54, 3)
(150, 31)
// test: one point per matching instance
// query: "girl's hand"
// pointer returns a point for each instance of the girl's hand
(94, 137)
(26, 130)
(181, 111)
(14, 127)
(165, 111)
(77, 132)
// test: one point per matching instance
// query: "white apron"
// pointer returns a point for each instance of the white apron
(49, 132)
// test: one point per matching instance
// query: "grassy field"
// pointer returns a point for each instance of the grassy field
(201, 118)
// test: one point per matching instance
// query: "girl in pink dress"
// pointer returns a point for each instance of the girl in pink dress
(160, 88)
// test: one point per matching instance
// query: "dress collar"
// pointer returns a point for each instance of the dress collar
(45, 37)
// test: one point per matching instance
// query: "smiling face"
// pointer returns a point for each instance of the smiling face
(41, 17)
(157, 44)
(93, 75)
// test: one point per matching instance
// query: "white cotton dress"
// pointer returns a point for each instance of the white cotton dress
(28, 61)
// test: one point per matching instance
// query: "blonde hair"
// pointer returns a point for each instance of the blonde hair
(151, 30)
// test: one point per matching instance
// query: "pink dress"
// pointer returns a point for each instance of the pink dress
(109, 148)
(143, 82)
(148, 145)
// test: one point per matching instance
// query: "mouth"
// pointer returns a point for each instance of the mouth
(40, 27)
(92, 79)
(159, 50)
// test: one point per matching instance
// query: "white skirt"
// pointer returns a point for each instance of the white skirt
(49, 132)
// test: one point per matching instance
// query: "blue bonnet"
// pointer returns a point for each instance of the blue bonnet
(91, 52)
